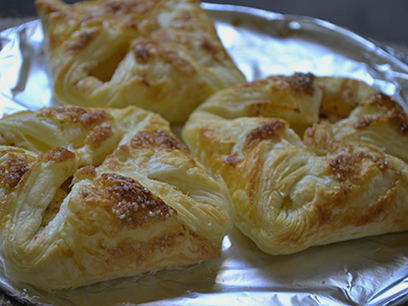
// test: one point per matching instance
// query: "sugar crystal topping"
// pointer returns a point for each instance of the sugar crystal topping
(133, 203)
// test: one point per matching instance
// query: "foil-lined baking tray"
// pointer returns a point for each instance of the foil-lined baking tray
(370, 271)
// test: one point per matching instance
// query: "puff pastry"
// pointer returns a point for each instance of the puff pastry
(308, 160)
(91, 194)
(162, 55)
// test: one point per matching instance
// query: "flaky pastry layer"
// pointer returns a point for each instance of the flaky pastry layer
(308, 160)
(161, 55)
(94, 194)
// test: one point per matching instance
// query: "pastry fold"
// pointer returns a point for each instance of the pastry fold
(161, 55)
(308, 160)
(94, 194)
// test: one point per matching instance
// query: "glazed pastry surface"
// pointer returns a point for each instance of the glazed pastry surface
(94, 194)
(161, 55)
(308, 160)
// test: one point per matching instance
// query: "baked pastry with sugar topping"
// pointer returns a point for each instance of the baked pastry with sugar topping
(91, 194)
(161, 55)
(308, 160)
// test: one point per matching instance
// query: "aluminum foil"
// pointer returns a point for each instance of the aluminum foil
(370, 271)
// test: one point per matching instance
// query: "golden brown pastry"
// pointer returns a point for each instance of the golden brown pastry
(308, 160)
(91, 194)
(162, 55)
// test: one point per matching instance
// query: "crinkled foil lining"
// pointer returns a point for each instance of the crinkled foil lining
(370, 271)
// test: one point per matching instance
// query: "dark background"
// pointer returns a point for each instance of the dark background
(383, 20)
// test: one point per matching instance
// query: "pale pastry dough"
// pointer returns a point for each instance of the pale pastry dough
(162, 55)
(91, 194)
(308, 160)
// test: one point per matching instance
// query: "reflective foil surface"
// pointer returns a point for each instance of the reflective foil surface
(370, 271)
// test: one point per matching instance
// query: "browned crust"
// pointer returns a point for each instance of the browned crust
(270, 130)
(143, 50)
(158, 138)
(364, 122)
(132, 203)
(302, 82)
(208, 46)
(382, 100)
(58, 155)
(399, 120)
(74, 114)
(177, 62)
(323, 214)
(118, 8)
(98, 135)
(85, 172)
(395, 115)
(12, 171)
(344, 166)
(83, 40)
(262, 108)
(353, 167)
(347, 166)
(46, 7)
